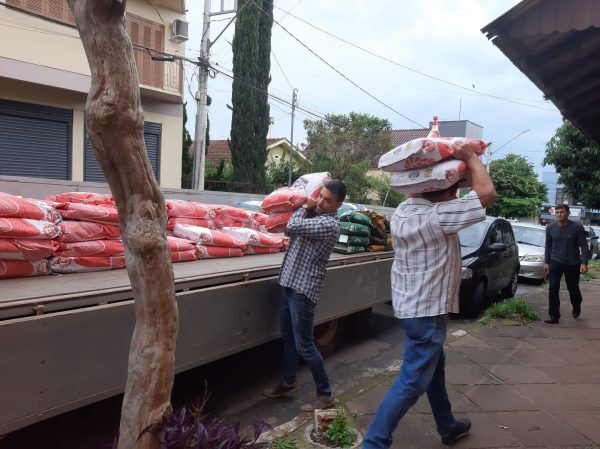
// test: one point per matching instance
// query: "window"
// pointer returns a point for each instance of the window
(145, 34)
(507, 232)
(53, 9)
(495, 235)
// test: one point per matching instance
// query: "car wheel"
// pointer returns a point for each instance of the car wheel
(510, 290)
(473, 307)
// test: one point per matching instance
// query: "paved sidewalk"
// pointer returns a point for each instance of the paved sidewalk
(521, 386)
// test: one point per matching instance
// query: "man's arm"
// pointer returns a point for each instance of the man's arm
(480, 178)
(317, 228)
(583, 247)
(547, 251)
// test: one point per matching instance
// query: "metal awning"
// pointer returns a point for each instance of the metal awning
(556, 44)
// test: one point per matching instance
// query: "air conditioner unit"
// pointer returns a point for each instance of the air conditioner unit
(179, 31)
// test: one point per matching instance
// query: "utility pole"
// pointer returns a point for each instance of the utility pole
(294, 104)
(202, 93)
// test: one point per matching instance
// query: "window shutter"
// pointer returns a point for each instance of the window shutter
(53, 9)
(34, 6)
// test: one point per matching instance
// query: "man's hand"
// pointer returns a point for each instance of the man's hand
(311, 203)
(546, 269)
(584, 268)
(463, 151)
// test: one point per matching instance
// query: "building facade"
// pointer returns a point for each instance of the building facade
(45, 78)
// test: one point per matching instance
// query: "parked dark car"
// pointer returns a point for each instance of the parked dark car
(592, 238)
(490, 264)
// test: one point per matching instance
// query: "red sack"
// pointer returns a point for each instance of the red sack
(85, 264)
(278, 222)
(23, 268)
(222, 222)
(177, 244)
(14, 207)
(83, 231)
(202, 222)
(83, 197)
(27, 249)
(261, 218)
(207, 236)
(89, 212)
(285, 199)
(27, 228)
(184, 256)
(213, 252)
(232, 213)
(49, 203)
(254, 238)
(94, 248)
(263, 250)
(189, 209)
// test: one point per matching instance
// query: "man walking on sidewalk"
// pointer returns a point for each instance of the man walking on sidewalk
(425, 283)
(564, 240)
(314, 230)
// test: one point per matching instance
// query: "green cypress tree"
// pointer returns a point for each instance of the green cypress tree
(245, 62)
(187, 161)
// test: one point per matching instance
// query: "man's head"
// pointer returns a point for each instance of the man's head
(562, 212)
(438, 196)
(331, 197)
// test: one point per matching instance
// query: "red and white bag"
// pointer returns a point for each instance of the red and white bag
(261, 218)
(429, 179)
(180, 245)
(100, 213)
(14, 207)
(232, 213)
(189, 209)
(83, 197)
(84, 264)
(285, 199)
(255, 250)
(27, 228)
(205, 236)
(425, 152)
(278, 222)
(94, 248)
(83, 231)
(27, 249)
(251, 237)
(202, 222)
(222, 222)
(184, 256)
(312, 183)
(215, 252)
(23, 268)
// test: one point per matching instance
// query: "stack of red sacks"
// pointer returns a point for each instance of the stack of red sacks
(257, 242)
(210, 243)
(27, 230)
(182, 212)
(280, 205)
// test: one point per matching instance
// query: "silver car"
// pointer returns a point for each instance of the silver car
(532, 241)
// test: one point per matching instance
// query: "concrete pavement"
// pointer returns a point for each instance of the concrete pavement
(522, 386)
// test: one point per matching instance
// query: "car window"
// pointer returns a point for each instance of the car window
(530, 236)
(507, 234)
(495, 234)
(473, 235)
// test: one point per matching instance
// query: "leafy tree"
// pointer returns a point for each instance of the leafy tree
(386, 196)
(187, 161)
(278, 173)
(577, 161)
(340, 142)
(519, 190)
(251, 75)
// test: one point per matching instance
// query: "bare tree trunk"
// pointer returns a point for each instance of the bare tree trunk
(115, 124)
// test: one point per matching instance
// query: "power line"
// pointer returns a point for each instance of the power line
(383, 58)
(344, 76)
(281, 68)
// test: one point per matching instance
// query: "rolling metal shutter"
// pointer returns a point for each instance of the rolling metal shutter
(152, 136)
(35, 140)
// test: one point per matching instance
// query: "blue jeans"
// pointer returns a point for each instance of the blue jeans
(422, 372)
(296, 318)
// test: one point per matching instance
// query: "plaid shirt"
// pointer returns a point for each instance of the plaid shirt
(305, 262)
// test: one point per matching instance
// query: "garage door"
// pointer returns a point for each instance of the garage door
(35, 140)
(152, 136)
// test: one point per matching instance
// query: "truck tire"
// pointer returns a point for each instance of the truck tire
(358, 324)
(328, 335)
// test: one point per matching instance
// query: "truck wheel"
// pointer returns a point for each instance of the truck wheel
(328, 335)
(358, 324)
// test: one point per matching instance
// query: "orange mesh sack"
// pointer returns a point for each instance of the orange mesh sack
(429, 179)
(27, 228)
(285, 199)
(312, 183)
(15, 207)
(27, 249)
(83, 231)
(23, 268)
(425, 152)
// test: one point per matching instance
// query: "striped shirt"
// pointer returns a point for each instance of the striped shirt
(305, 262)
(427, 263)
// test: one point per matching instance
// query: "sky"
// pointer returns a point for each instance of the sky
(440, 39)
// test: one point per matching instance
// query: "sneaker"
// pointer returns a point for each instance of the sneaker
(551, 321)
(576, 312)
(319, 403)
(461, 428)
(280, 389)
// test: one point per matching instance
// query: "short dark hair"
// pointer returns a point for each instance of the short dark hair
(338, 188)
(562, 206)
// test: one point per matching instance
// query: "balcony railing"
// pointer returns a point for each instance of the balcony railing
(164, 75)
